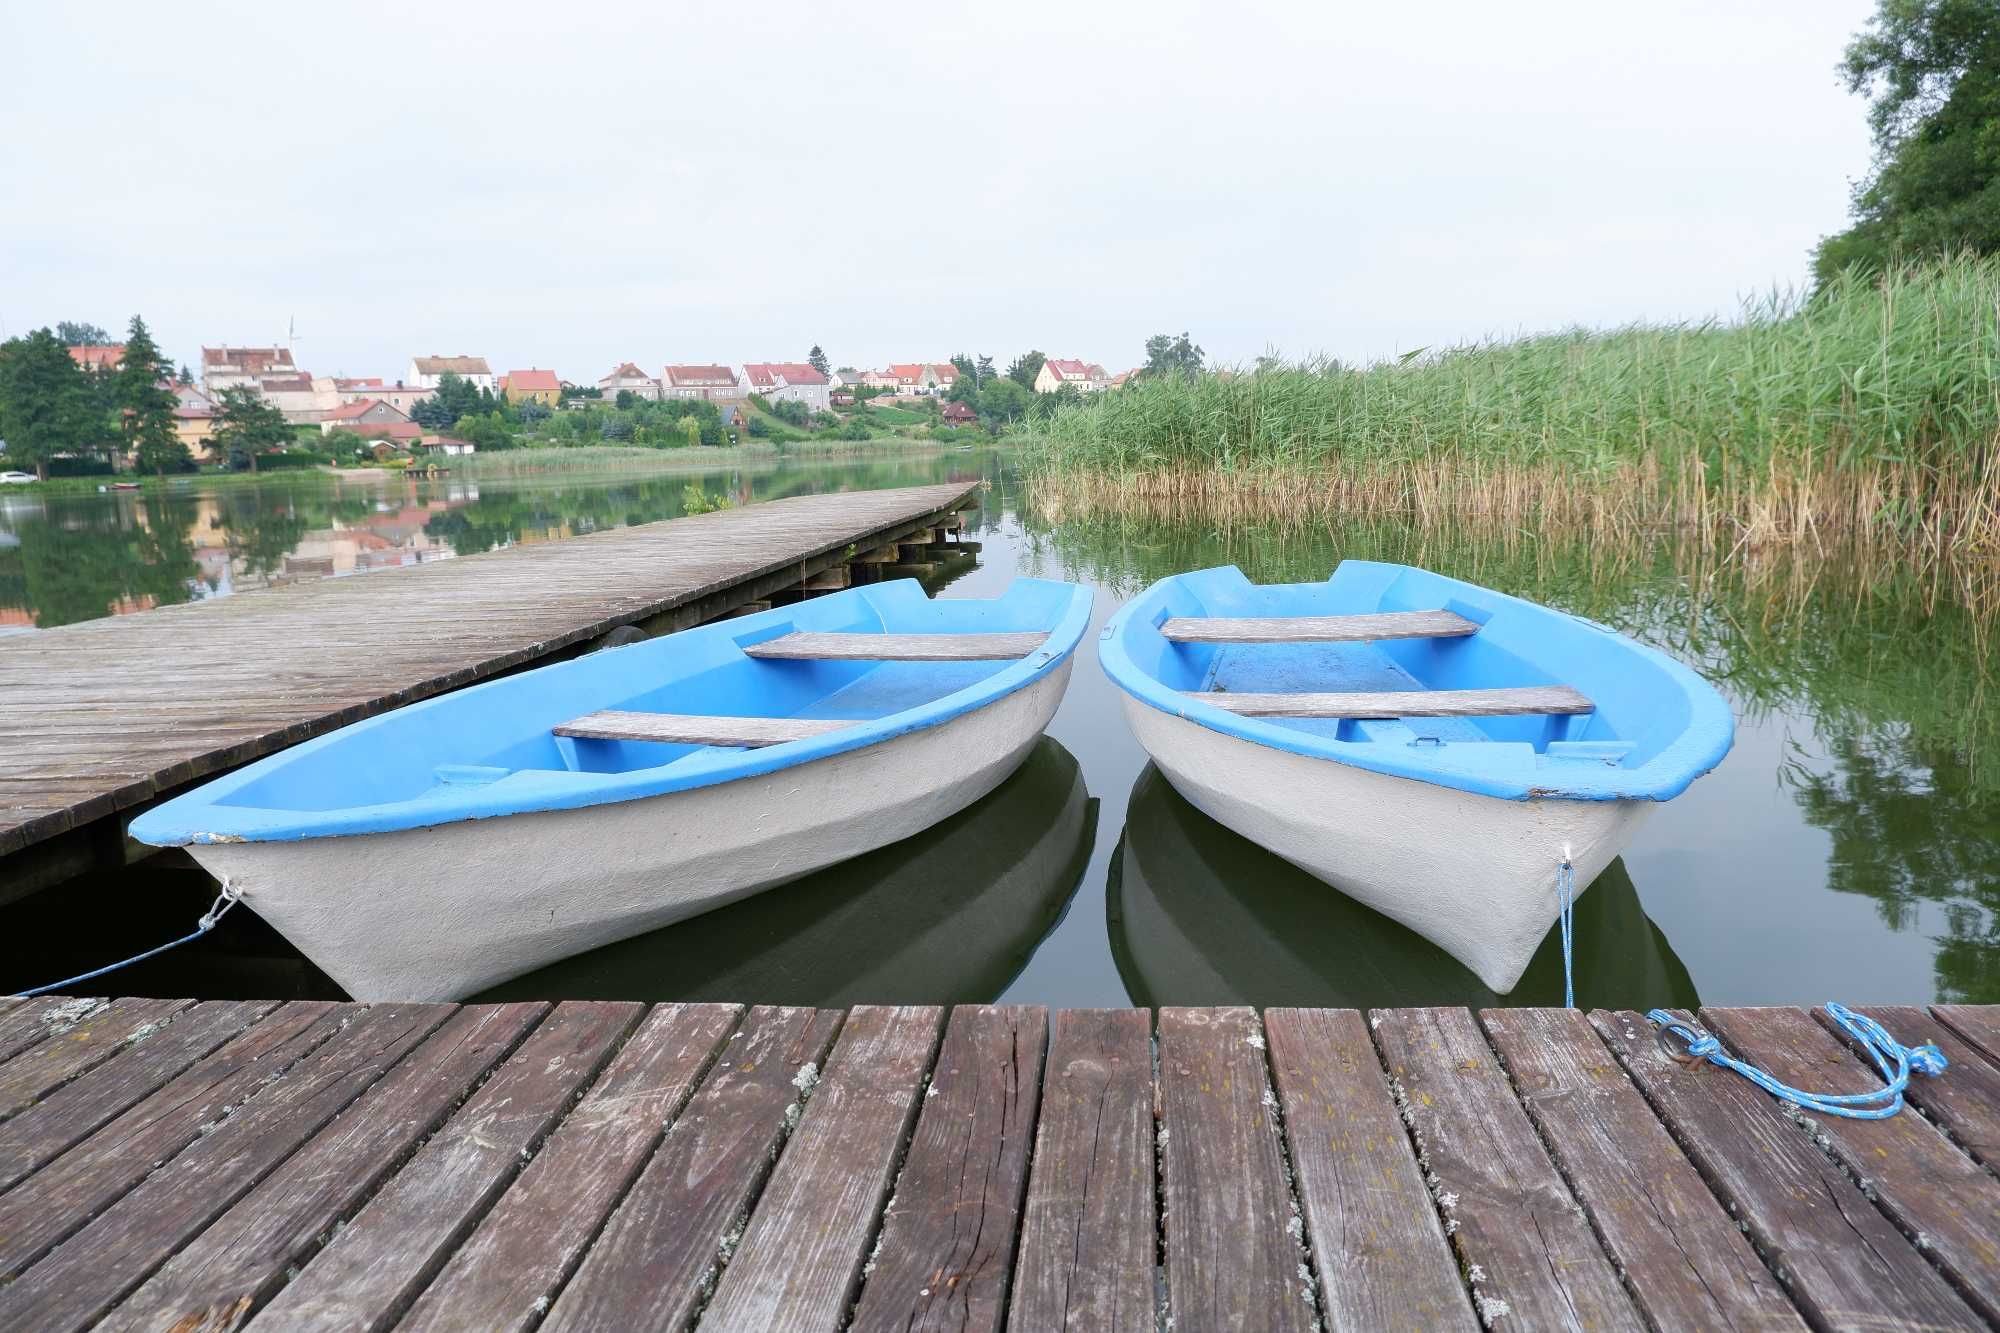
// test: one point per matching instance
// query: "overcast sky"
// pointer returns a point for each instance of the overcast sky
(580, 184)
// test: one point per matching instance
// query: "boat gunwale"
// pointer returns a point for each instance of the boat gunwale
(1702, 743)
(199, 817)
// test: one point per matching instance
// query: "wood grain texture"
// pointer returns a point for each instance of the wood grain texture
(28, 1022)
(100, 717)
(1088, 1235)
(61, 1197)
(71, 1113)
(1230, 1263)
(1520, 1234)
(693, 729)
(1517, 701)
(1685, 1262)
(1380, 1252)
(1966, 1100)
(1317, 629)
(74, 1051)
(1843, 1263)
(371, 1271)
(800, 1260)
(818, 646)
(947, 1245)
(220, 1277)
(1914, 1174)
(1977, 1025)
(529, 1244)
(656, 1261)
(79, 1282)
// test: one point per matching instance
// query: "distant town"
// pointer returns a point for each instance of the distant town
(120, 406)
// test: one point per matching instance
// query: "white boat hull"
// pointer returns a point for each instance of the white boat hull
(442, 912)
(1475, 875)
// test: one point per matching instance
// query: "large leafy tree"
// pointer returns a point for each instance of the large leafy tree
(146, 405)
(1025, 367)
(246, 425)
(1168, 355)
(45, 402)
(1933, 70)
(75, 334)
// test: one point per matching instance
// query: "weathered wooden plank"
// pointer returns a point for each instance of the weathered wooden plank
(1381, 1255)
(801, 1256)
(78, 1283)
(947, 1243)
(507, 1271)
(693, 729)
(371, 1271)
(1230, 1261)
(1520, 1235)
(1912, 1172)
(656, 1261)
(69, 1114)
(1317, 629)
(1518, 701)
(1684, 1260)
(814, 646)
(224, 1274)
(1966, 1100)
(1842, 1262)
(31, 1021)
(48, 1065)
(1087, 1230)
(1977, 1025)
(59, 1198)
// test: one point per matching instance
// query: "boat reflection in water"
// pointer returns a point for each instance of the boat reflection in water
(1201, 916)
(949, 916)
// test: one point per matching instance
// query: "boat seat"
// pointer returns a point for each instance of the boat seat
(749, 733)
(1318, 629)
(1519, 700)
(815, 646)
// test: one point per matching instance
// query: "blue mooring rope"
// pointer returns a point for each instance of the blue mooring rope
(1895, 1060)
(225, 900)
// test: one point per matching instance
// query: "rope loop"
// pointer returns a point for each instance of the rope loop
(226, 899)
(1895, 1061)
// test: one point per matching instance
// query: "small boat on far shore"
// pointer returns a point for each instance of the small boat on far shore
(1436, 750)
(445, 847)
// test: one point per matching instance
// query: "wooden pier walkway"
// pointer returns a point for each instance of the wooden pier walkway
(103, 716)
(588, 1165)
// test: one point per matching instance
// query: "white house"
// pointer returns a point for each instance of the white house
(717, 384)
(789, 381)
(427, 371)
(628, 378)
(1084, 376)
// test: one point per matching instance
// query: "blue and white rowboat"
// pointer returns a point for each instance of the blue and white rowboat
(1427, 746)
(445, 847)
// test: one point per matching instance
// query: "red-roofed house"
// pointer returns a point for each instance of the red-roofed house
(789, 381)
(541, 386)
(1083, 376)
(628, 378)
(103, 356)
(194, 420)
(958, 414)
(361, 415)
(242, 367)
(923, 377)
(715, 384)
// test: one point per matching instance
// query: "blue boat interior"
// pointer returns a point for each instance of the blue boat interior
(1646, 706)
(491, 749)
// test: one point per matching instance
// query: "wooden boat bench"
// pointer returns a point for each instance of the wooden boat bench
(749, 733)
(818, 646)
(1515, 701)
(1318, 629)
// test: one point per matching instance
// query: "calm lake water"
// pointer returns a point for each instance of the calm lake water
(1848, 848)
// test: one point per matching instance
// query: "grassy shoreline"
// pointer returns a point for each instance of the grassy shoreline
(1870, 410)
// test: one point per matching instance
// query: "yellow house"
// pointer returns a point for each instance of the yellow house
(539, 386)
(194, 421)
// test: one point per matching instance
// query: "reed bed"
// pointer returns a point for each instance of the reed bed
(1870, 409)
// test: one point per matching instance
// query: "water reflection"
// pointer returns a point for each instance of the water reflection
(946, 917)
(1199, 915)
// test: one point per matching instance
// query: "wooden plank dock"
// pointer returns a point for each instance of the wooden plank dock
(587, 1165)
(105, 716)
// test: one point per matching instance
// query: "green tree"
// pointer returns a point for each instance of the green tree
(146, 405)
(1025, 367)
(817, 359)
(74, 334)
(984, 371)
(186, 378)
(967, 369)
(1932, 68)
(45, 402)
(246, 425)
(1168, 355)
(1004, 400)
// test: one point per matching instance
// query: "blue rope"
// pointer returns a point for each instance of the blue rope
(1566, 891)
(1894, 1059)
(227, 899)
